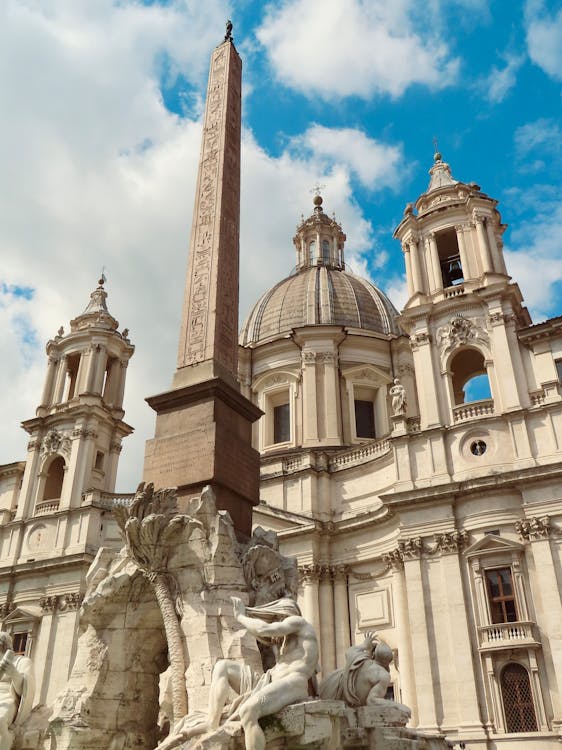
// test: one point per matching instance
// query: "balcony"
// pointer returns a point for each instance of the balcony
(473, 410)
(507, 635)
(46, 507)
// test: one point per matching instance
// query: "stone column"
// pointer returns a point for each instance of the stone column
(416, 266)
(341, 614)
(122, 374)
(426, 385)
(467, 269)
(60, 381)
(327, 635)
(44, 652)
(422, 659)
(92, 367)
(482, 242)
(81, 374)
(467, 710)
(47, 397)
(549, 611)
(404, 666)
(112, 384)
(310, 575)
(507, 362)
(435, 264)
(100, 369)
(408, 263)
(331, 397)
(497, 257)
(310, 415)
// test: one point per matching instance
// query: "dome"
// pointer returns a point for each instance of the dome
(319, 295)
(321, 292)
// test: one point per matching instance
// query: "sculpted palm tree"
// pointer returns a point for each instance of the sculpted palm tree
(150, 525)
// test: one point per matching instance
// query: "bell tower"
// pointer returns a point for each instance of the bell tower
(462, 310)
(75, 437)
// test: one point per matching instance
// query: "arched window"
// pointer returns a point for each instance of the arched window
(55, 477)
(312, 251)
(469, 377)
(517, 699)
(325, 251)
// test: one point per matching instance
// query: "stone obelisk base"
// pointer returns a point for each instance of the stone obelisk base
(203, 436)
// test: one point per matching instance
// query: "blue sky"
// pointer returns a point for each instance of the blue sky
(100, 137)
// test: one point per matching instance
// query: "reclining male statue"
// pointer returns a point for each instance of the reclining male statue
(365, 678)
(278, 623)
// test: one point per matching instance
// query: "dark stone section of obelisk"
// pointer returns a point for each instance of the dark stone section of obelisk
(203, 429)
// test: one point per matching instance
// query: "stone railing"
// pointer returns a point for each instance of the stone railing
(537, 397)
(475, 409)
(453, 291)
(358, 455)
(47, 506)
(506, 635)
(106, 499)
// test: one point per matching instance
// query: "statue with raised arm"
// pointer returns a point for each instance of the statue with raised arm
(278, 623)
(398, 395)
(16, 690)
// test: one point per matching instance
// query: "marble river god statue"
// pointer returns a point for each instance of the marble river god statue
(279, 624)
(16, 690)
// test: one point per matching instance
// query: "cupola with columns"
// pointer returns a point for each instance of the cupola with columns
(462, 311)
(75, 438)
(319, 240)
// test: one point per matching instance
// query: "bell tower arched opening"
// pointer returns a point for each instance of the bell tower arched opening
(54, 480)
(449, 257)
(469, 377)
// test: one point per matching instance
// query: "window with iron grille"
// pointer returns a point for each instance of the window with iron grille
(517, 699)
(501, 595)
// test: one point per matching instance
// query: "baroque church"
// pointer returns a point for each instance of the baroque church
(409, 460)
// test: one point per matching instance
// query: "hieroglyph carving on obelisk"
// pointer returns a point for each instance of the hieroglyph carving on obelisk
(209, 330)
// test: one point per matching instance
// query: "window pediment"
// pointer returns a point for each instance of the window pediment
(274, 379)
(368, 374)
(19, 614)
(493, 544)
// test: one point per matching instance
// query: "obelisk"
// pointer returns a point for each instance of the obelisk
(203, 424)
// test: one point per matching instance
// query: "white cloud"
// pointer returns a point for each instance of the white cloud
(354, 47)
(499, 82)
(534, 258)
(544, 135)
(95, 171)
(374, 164)
(544, 37)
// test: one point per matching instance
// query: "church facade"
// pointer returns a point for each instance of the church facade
(410, 461)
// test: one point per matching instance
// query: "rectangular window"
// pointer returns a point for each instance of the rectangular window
(558, 363)
(20, 643)
(281, 423)
(364, 419)
(500, 595)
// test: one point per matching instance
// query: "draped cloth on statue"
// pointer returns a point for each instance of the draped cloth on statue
(341, 684)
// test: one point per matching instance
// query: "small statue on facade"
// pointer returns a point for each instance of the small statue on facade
(16, 690)
(279, 623)
(228, 35)
(398, 394)
(365, 678)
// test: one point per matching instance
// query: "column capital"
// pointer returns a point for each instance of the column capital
(532, 529)
(308, 357)
(309, 572)
(450, 542)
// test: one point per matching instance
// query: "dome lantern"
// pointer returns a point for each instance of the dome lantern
(319, 240)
